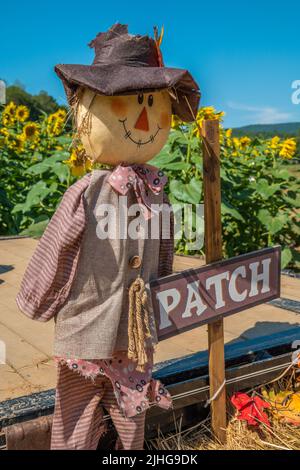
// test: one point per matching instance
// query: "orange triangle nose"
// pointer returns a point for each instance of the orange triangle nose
(142, 121)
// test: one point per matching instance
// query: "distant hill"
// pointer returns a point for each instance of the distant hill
(267, 130)
(37, 104)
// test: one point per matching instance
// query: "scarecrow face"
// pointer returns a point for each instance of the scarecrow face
(130, 129)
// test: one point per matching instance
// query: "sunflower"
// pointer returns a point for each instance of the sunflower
(22, 113)
(10, 109)
(274, 142)
(225, 137)
(8, 114)
(19, 143)
(61, 114)
(288, 148)
(58, 127)
(236, 143)
(4, 131)
(205, 113)
(56, 122)
(14, 142)
(245, 142)
(9, 141)
(7, 120)
(175, 123)
(31, 131)
(78, 162)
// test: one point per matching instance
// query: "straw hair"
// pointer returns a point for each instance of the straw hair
(138, 323)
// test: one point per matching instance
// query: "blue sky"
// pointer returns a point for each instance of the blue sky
(244, 54)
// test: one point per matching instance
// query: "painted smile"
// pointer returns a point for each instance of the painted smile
(140, 142)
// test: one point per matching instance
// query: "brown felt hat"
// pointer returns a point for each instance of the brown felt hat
(125, 64)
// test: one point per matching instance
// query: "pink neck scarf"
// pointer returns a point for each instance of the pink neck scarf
(141, 178)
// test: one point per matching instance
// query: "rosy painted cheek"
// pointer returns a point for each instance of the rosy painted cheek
(118, 107)
(165, 119)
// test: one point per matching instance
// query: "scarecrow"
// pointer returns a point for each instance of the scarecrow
(94, 283)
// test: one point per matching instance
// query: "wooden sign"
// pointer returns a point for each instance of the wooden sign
(214, 252)
(222, 287)
(197, 296)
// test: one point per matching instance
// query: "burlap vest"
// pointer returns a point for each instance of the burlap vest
(93, 322)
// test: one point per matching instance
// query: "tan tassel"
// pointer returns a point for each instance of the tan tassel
(138, 323)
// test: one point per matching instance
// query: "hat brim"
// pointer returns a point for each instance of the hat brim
(114, 79)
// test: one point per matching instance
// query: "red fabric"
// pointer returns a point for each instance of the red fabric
(140, 178)
(134, 391)
(250, 409)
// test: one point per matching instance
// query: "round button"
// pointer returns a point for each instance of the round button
(135, 262)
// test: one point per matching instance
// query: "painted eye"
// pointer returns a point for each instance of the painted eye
(150, 100)
(140, 98)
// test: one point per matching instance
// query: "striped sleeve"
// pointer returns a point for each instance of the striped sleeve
(50, 272)
(166, 250)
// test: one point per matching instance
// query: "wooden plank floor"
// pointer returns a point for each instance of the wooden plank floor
(29, 366)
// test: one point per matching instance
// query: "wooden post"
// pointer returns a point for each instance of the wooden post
(213, 252)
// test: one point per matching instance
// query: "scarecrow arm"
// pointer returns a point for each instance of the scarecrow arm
(49, 275)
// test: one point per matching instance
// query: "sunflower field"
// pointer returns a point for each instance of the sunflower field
(37, 166)
(260, 206)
